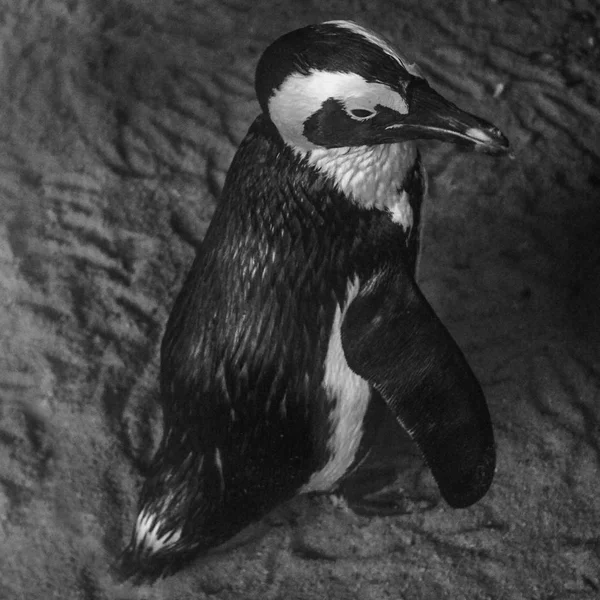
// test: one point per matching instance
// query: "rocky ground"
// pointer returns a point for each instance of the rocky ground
(118, 120)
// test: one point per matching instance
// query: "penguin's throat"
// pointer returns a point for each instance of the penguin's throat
(371, 176)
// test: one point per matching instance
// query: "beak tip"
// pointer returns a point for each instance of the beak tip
(490, 140)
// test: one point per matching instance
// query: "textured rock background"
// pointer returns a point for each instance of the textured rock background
(118, 120)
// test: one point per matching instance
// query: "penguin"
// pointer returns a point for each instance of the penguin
(300, 326)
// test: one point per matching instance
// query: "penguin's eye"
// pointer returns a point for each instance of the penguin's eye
(361, 113)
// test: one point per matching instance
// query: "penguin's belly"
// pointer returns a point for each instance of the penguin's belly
(348, 396)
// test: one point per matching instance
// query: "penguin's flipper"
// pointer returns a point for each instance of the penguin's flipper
(392, 338)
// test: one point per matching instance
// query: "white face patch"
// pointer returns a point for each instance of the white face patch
(371, 176)
(301, 96)
(349, 396)
(375, 39)
(146, 533)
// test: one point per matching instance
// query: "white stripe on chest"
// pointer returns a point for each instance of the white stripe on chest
(349, 396)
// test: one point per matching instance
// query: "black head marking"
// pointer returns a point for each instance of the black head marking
(333, 127)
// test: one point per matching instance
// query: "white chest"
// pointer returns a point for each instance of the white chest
(349, 396)
(371, 176)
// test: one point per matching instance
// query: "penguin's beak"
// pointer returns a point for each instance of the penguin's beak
(432, 116)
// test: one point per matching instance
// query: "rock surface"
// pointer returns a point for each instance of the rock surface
(118, 121)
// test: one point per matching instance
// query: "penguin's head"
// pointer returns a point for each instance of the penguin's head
(337, 84)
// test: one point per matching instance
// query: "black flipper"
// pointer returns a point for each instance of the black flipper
(392, 338)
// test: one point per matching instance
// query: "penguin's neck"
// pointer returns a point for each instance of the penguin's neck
(371, 176)
(276, 203)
